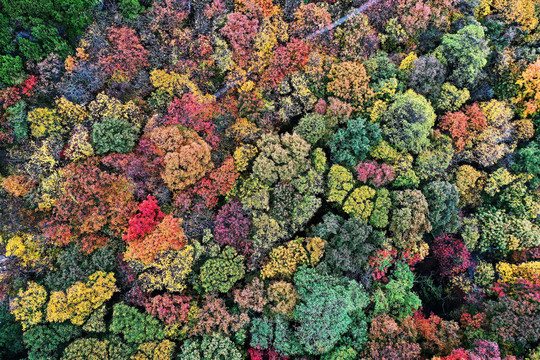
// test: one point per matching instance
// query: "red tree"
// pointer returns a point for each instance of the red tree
(453, 256)
(232, 227)
(125, 55)
(145, 221)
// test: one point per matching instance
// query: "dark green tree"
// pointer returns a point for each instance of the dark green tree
(350, 145)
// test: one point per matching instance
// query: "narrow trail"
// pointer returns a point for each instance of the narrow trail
(327, 28)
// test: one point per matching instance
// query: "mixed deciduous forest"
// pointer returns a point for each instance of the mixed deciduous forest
(269, 179)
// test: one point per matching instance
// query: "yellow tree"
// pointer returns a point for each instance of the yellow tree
(79, 301)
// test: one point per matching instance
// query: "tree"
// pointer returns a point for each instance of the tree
(251, 297)
(155, 349)
(145, 221)
(451, 98)
(125, 55)
(311, 127)
(408, 121)
(381, 209)
(427, 76)
(168, 271)
(528, 97)
(527, 161)
(442, 199)
(396, 297)
(520, 12)
(30, 250)
(28, 306)
(72, 265)
(465, 126)
(281, 158)
(453, 256)
(240, 31)
(283, 297)
(219, 274)
(103, 107)
(352, 144)
(78, 302)
(464, 54)
(349, 81)
(359, 203)
(168, 235)
(435, 335)
(511, 273)
(48, 340)
(340, 183)
(79, 147)
(186, 157)
(341, 353)
(495, 140)
(130, 8)
(217, 182)
(350, 244)
(388, 340)
(512, 315)
(92, 201)
(45, 122)
(210, 347)
(168, 308)
(501, 233)
(374, 173)
(91, 348)
(409, 222)
(11, 337)
(328, 308)
(114, 135)
(232, 227)
(214, 317)
(358, 39)
(470, 183)
(285, 260)
(11, 69)
(135, 326)
(434, 162)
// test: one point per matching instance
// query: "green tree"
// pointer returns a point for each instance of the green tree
(130, 8)
(209, 347)
(442, 199)
(17, 117)
(396, 296)
(46, 342)
(113, 135)
(350, 244)
(11, 69)
(408, 121)
(327, 309)
(350, 145)
(11, 334)
(527, 160)
(135, 326)
(311, 127)
(464, 53)
(219, 274)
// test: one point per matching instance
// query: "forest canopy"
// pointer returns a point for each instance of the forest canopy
(270, 179)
